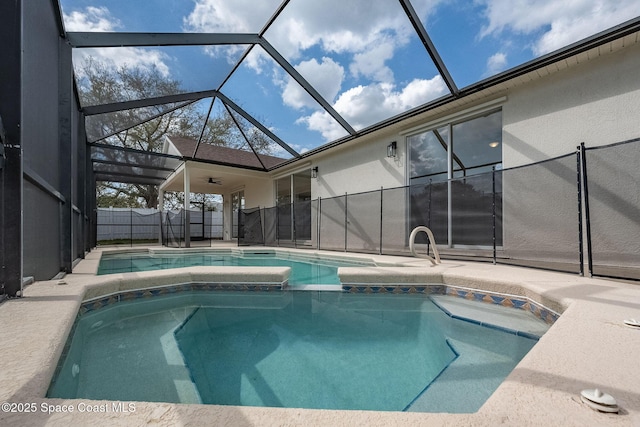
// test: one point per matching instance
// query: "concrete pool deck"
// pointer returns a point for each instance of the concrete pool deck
(588, 347)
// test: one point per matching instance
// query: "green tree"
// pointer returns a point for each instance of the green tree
(101, 84)
(234, 132)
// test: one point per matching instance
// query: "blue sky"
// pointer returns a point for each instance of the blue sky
(362, 56)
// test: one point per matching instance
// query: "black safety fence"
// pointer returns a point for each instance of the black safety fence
(131, 226)
(541, 215)
(250, 230)
(287, 224)
(569, 213)
(612, 209)
(269, 224)
(123, 226)
(204, 226)
(173, 228)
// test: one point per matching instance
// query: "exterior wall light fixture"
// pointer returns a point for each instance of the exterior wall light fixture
(392, 149)
(314, 172)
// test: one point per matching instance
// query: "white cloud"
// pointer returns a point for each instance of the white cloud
(371, 63)
(561, 22)
(322, 122)
(92, 19)
(326, 77)
(367, 32)
(363, 35)
(353, 27)
(365, 105)
(496, 63)
(257, 60)
(278, 151)
(238, 16)
(99, 19)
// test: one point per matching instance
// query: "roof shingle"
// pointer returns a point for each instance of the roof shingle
(221, 154)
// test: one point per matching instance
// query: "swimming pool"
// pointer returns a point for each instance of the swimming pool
(304, 271)
(312, 349)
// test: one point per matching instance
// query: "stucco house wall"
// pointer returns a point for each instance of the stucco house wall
(360, 167)
(596, 102)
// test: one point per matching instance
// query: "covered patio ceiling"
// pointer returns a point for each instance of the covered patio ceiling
(205, 178)
(300, 77)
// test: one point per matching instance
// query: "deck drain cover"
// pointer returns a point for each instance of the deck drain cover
(596, 399)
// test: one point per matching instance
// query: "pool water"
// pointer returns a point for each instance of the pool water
(303, 272)
(313, 349)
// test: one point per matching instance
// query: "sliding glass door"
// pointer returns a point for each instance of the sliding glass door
(293, 201)
(451, 180)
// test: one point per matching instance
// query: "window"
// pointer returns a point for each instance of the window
(428, 153)
(451, 180)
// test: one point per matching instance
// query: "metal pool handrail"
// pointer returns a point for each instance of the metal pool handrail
(412, 247)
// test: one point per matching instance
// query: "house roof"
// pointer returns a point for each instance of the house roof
(223, 155)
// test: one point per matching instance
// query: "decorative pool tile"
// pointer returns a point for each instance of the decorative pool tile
(477, 296)
(506, 302)
(395, 289)
(521, 303)
(100, 302)
(495, 299)
(510, 301)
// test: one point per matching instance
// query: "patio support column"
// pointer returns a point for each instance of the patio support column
(187, 203)
(11, 196)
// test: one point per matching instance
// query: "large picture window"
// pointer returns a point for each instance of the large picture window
(451, 179)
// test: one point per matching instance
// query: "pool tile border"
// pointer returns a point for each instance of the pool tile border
(506, 300)
(513, 301)
(135, 294)
(426, 289)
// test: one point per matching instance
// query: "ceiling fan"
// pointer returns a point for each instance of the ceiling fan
(216, 181)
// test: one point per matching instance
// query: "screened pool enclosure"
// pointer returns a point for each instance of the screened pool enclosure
(247, 101)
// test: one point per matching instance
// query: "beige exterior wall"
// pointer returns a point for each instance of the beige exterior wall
(596, 102)
(259, 193)
(361, 167)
